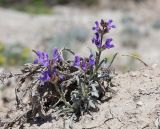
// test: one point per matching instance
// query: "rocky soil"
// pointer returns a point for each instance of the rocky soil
(134, 105)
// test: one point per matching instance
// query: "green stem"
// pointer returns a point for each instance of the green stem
(62, 96)
(64, 100)
(97, 61)
(98, 57)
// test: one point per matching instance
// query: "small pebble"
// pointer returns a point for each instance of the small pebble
(145, 75)
(133, 74)
(139, 103)
(154, 66)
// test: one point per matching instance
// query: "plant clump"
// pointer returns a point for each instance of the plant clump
(55, 87)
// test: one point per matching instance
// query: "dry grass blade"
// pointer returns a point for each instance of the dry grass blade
(135, 57)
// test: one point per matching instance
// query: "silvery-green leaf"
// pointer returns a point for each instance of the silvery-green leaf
(157, 123)
(77, 78)
(75, 97)
(71, 121)
(95, 93)
(91, 104)
(104, 61)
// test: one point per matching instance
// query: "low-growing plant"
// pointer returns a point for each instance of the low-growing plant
(56, 87)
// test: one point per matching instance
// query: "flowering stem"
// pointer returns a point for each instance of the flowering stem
(86, 88)
(98, 56)
(98, 59)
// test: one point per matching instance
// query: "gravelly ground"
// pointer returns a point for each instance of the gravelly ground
(134, 106)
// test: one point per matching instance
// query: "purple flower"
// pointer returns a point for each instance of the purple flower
(43, 58)
(91, 60)
(54, 71)
(108, 43)
(62, 77)
(96, 40)
(80, 62)
(84, 65)
(45, 76)
(56, 55)
(48, 74)
(96, 28)
(76, 61)
(35, 61)
(110, 24)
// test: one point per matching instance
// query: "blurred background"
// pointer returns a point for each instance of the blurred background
(45, 24)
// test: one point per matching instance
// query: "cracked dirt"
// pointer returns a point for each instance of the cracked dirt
(135, 105)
